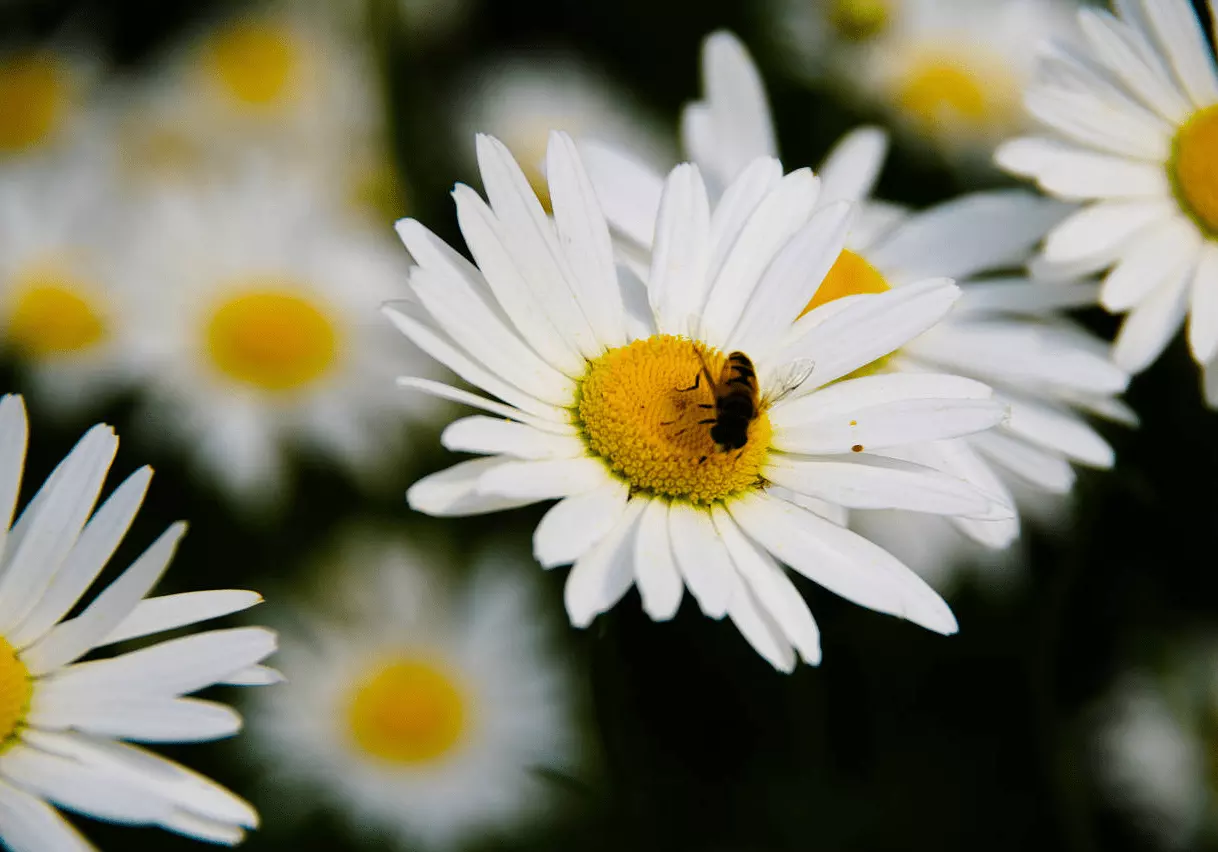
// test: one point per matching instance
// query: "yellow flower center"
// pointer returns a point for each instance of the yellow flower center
(271, 338)
(53, 315)
(647, 409)
(407, 712)
(850, 275)
(859, 20)
(256, 62)
(33, 99)
(1194, 168)
(16, 689)
(945, 91)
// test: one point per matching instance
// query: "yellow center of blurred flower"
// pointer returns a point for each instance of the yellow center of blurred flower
(271, 338)
(851, 275)
(943, 92)
(407, 712)
(52, 315)
(16, 689)
(33, 99)
(647, 409)
(859, 20)
(1194, 168)
(257, 62)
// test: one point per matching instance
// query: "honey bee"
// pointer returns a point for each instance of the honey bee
(738, 399)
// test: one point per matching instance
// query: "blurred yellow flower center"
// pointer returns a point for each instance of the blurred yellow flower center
(51, 315)
(33, 99)
(850, 275)
(860, 20)
(256, 62)
(272, 339)
(407, 712)
(1194, 168)
(647, 409)
(942, 92)
(16, 689)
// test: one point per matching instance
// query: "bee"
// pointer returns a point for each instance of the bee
(738, 399)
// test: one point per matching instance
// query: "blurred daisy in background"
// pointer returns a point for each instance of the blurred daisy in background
(42, 93)
(1006, 331)
(66, 726)
(65, 307)
(260, 329)
(607, 388)
(520, 99)
(421, 710)
(1155, 744)
(948, 72)
(1131, 121)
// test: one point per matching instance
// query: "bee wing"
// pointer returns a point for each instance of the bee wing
(789, 378)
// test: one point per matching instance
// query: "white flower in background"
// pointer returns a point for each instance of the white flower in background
(1006, 331)
(950, 72)
(423, 712)
(66, 726)
(1132, 130)
(1154, 746)
(65, 311)
(607, 400)
(521, 99)
(41, 95)
(259, 329)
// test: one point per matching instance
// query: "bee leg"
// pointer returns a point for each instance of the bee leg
(706, 405)
(694, 386)
(708, 420)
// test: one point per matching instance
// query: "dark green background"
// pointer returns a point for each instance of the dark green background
(901, 739)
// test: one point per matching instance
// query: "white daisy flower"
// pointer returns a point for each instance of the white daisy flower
(68, 725)
(422, 712)
(1006, 331)
(64, 308)
(950, 72)
(259, 329)
(520, 99)
(1154, 746)
(607, 396)
(1132, 127)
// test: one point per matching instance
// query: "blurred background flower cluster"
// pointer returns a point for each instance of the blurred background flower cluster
(196, 209)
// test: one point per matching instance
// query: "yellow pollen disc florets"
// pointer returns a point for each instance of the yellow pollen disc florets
(859, 20)
(1194, 168)
(942, 92)
(642, 414)
(16, 689)
(407, 711)
(256, 62)
(33, 99)
(272, 339)
(52, 315)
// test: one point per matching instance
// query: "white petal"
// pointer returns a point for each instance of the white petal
(576, 523)
(148, 719)
(655, 566)
(1085, 175)
(168, 612)
(773, 588)
(1091, 122)
(1149, 263)
(736, 205)
(14, 435)
(493, 436)
(851, 168)
(72, 639)
(629, 191)
(1100, 232)
(1152, 324)
(1044, 469)
(701, 557)
(583, 234)
(1203, 311)
(841, 561)
(600, 577)
(557, 422)
(1192, 58)
(1025, 297)
(680, 251)
(200, 828)
(1061, 431)
(254, 676)
(881, 483)
(758, 627)
(1122, 52)
(543, 480)
(453, 492)
(31, 825)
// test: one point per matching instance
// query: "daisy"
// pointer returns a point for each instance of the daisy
(1154, 746)
(259, 330)
(605, 384)
(1006, 331)
(420, 711)
(520, 99)
(948, 72)
(64, 311)
(68, 725)
(1131, 121)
